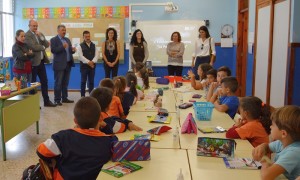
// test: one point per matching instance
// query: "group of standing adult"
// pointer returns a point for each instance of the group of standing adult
(204, 51)
(30, 57)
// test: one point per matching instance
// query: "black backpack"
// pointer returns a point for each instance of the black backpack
(33, 172)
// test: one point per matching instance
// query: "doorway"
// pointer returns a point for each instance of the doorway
(242, 46)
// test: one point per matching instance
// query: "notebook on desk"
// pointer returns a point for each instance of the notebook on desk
(215, 147)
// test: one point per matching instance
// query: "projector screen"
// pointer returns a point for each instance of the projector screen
(158, 35)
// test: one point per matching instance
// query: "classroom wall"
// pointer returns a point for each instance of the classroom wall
(295, 39)
(250, 56)
(189, 9)
(295, 23)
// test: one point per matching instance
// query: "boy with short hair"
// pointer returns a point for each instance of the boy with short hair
(225, 99)
(222, 72)
(285, 131)
(80, 152)
(111, 124)
(211, 77)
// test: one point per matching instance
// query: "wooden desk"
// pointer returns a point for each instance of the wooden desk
(17, 112)
(164, 164)
(214, 168)
(140, 119)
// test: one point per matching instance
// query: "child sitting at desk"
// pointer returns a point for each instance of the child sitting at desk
(131, 82)
(127, 98)
(254, 124)
(285, 130)
(221, 73)
(202, 70)
(142, 76)
(111, 124)
(81, 152)
(225, 99)
(115, 107)
(211, 77)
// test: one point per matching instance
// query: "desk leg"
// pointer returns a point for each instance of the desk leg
(37, 128)
(2, 130)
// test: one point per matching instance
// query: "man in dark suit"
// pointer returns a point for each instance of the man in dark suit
(38, 43)
(63, 61)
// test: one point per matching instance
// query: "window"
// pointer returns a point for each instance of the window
(6, 27)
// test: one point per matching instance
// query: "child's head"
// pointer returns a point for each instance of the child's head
(252, 107)
(104, 96)
(145, 76)
(120, 86)
(107, 83)
(223, 71)
(131, 81)
(87, 112)
(139, 66)
(286, 121)
(202, 70)
(229, 85)
(211, 75)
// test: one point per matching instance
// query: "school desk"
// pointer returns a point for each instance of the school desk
(18, 112)
(164, 164)
(213, 168)
(140, 119)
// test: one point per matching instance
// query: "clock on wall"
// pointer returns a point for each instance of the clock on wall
(226, 31)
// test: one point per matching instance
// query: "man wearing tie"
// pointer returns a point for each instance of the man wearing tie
(37, 42)
(63, 61)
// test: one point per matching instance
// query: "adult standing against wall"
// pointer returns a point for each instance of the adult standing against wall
(111, 53)
(63, 61)
(205, 51)
(138, 51)
(22, 53)
(38, 43)
(88, 56)
(175, 50)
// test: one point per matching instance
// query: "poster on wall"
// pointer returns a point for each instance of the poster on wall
(76, 12)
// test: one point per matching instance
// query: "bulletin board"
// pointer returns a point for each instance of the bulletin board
(75, 28)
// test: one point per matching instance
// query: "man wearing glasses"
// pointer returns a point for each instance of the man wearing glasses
(38, 43)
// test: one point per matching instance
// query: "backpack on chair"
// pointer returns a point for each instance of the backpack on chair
(40, 171)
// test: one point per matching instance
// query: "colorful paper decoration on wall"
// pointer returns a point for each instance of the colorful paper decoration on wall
(76, 12)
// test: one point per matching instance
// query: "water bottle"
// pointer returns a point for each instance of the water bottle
(180, 175)
(177, 113)
(176, 134)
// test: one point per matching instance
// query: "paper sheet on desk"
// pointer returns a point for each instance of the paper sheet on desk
(182, 89)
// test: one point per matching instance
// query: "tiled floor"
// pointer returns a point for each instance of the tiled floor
(21, 150)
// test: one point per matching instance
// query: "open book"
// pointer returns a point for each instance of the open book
(122, 168)
(160, 119)
(241, 163)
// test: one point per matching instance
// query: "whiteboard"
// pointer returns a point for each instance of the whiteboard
(158, 35)
(262, 53)
(279, 53)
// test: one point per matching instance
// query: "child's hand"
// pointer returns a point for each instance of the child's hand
(240, 122)
(214, 85)
(133, 127)
(191, 74)
(259, 151)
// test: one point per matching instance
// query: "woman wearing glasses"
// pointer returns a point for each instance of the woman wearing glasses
(175, 50)
(205, 51)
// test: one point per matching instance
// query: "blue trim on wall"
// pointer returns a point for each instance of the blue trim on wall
(296, 90)
(249, 74)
